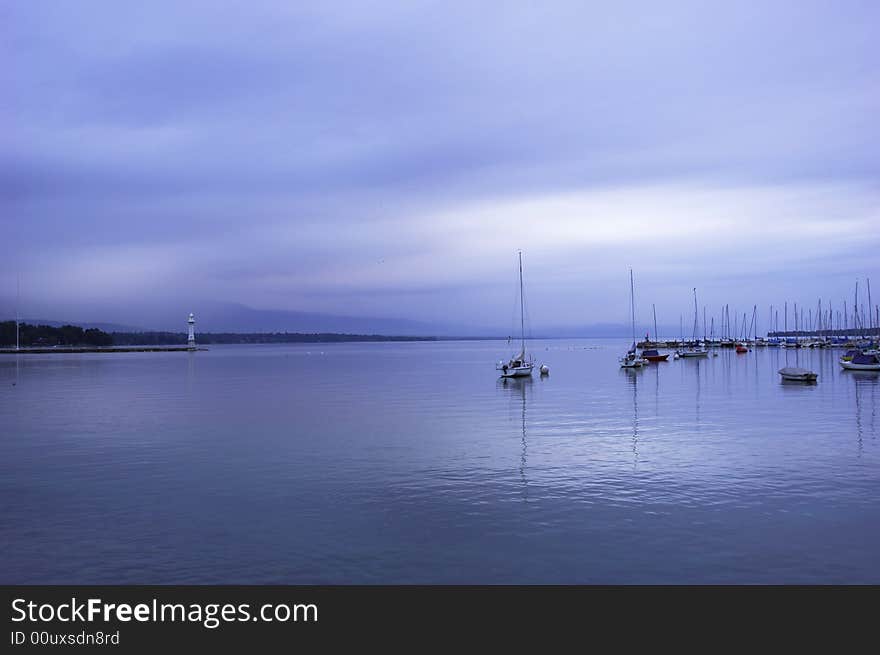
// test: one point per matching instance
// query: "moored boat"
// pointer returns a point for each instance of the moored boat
(697, 351)
(654, 356)
(695, 348)
(631, 359)
(518, 366)
(795, 374)
(862, 362)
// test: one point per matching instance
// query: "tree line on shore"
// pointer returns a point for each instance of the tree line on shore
(206, 338)
(46, 335)
(72, 335)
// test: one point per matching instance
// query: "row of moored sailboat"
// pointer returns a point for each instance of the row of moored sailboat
(521, 364)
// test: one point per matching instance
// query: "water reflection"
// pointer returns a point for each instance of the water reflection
(547, 472)
(518, 386)
(632, 376)
(866, 383)
(190, 371)
(694, 368)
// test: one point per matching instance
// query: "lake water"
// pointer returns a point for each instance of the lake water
(413, 463)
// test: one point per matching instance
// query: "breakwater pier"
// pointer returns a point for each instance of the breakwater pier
(60, 350)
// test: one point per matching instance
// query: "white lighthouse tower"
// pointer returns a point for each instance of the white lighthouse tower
(191, 335)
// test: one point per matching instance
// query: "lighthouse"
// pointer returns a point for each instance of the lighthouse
(191, 335)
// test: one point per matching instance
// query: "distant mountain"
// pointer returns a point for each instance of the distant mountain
(219, 317)
(232, 317)
(106, 327)
(229, 317)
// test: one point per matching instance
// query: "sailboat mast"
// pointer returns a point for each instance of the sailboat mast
(632, 304)
(696, 322)
(522, 323)
(654, 309)
(17, 304)
(856, 308)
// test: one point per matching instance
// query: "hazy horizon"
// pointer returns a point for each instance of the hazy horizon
(388, 161)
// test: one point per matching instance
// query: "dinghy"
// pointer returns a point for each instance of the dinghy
(794, 374)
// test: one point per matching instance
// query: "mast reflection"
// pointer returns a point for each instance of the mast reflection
(518, 386)
(632, 376)
(866, 383)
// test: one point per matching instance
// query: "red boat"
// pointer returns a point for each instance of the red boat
(741, 349)
(654, 356)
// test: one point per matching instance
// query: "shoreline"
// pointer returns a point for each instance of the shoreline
(96, 349)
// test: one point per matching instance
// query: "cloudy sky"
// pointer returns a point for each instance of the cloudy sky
(389, 158)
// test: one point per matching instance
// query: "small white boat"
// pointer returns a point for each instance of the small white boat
(797, 374)
(861, 362)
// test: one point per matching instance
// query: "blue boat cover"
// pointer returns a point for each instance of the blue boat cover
(650, 353)
(632, 350)
(865, 359)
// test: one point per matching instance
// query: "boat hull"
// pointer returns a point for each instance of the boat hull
(850, 366)
(656, 358)
(794, 374)
(517, 372)
(694, 354)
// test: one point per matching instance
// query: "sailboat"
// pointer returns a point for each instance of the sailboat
(653, 355)
(631, 359)
(518, 365)
(696, 349)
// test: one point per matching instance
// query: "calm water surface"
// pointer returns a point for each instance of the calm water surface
(412, 462)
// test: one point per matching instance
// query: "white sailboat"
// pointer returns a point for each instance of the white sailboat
(631, 359)
(518, 365)
(697, 349)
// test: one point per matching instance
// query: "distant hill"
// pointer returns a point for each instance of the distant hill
(104, 327)
(236, 318)
(206, 338)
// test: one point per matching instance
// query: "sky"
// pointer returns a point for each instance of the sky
(390, 158)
